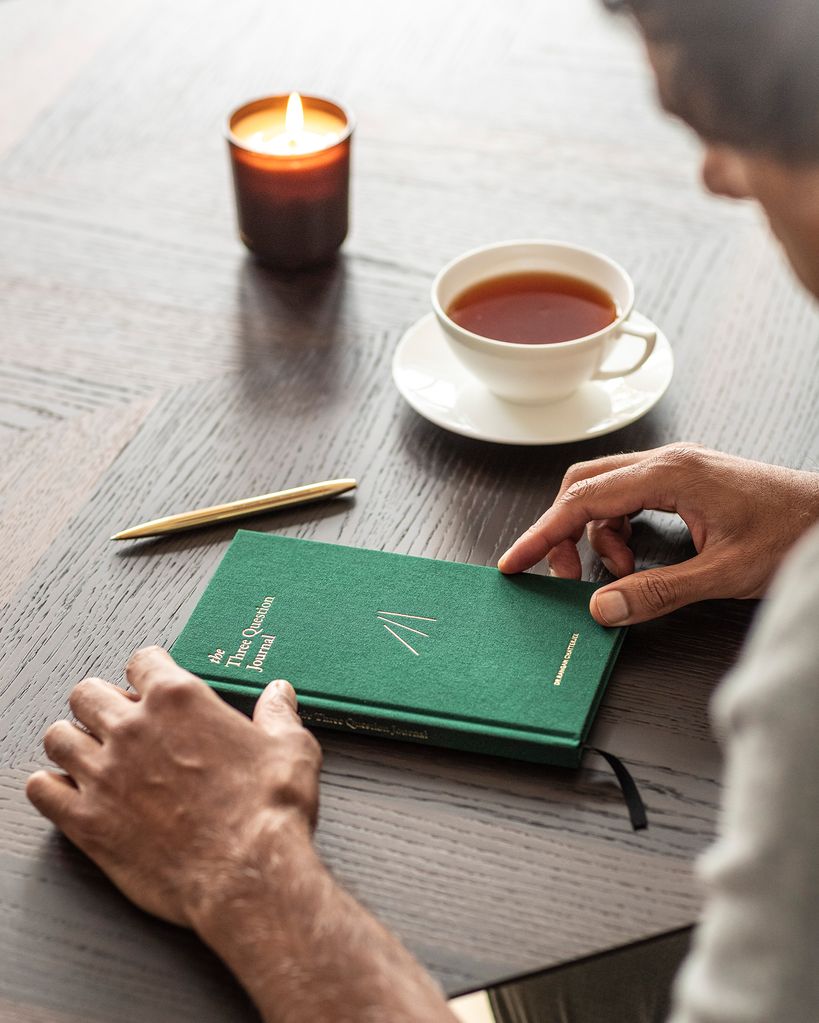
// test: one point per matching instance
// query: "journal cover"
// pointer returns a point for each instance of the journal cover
(427, 651)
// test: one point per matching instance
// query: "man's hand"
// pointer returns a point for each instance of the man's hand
(743, 516)
(174, 794)
(205, 819)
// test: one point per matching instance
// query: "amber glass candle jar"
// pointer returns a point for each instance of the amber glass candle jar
(291, 172)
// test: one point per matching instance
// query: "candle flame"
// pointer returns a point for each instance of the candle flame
(294, 118)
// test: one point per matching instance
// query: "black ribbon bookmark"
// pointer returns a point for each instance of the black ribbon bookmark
(631, 794)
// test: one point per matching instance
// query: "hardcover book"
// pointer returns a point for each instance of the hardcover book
(425, 651)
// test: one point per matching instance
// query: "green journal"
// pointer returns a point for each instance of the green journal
(426, 651)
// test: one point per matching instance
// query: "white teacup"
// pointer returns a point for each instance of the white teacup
(541, 373)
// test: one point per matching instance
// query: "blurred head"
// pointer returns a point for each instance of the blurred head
(744, 74)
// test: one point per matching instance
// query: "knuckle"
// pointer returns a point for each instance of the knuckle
(655, 591)
(149, 651)
(295, 788)
(94, 770)
(299, 761)
(36, 786)
(306, 746)
(580, 490)
(296, 743)
(82, 687)
(157, 676)
(139, 655)
(54, 739)
(685, 453)
(78, 694)
(124, 727)
(85, 692)
(281, 706)
(577, 471)
(171, 691)
(51, 732)
(84, 823)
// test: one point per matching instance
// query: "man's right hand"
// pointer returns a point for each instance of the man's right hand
(743, 516)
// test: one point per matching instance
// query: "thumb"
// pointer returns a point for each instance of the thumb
(275, 709)
(657, 591)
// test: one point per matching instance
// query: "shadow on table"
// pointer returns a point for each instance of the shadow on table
(420, 436)
(631, 983)
(118, 963)
(282, 312)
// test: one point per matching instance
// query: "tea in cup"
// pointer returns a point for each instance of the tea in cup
(534, 320)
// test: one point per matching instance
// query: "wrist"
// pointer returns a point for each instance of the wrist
(303, 948)
(269, 869)
(806, 498)
(812, 480)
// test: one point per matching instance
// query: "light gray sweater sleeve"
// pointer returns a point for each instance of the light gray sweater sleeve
(755, 956)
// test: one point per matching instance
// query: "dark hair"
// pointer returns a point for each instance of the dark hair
(741, 72)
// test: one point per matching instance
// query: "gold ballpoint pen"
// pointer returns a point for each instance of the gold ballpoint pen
(237, 509)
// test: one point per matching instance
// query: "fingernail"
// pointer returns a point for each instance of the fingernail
(280, 692)
(609, 566)
(503, 557)
(612, 607)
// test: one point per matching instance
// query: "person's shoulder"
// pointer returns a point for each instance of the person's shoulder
(778, 673)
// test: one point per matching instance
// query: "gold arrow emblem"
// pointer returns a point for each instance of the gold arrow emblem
(388, 619)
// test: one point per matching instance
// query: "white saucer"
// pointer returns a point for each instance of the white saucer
(443, 391)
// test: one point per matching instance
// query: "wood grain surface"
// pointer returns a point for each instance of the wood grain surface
(147, 365)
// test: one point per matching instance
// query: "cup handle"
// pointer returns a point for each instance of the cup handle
(650, 338)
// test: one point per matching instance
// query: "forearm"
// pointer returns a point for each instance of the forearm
(303, 948)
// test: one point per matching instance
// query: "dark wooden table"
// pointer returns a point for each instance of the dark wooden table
(149, 366)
